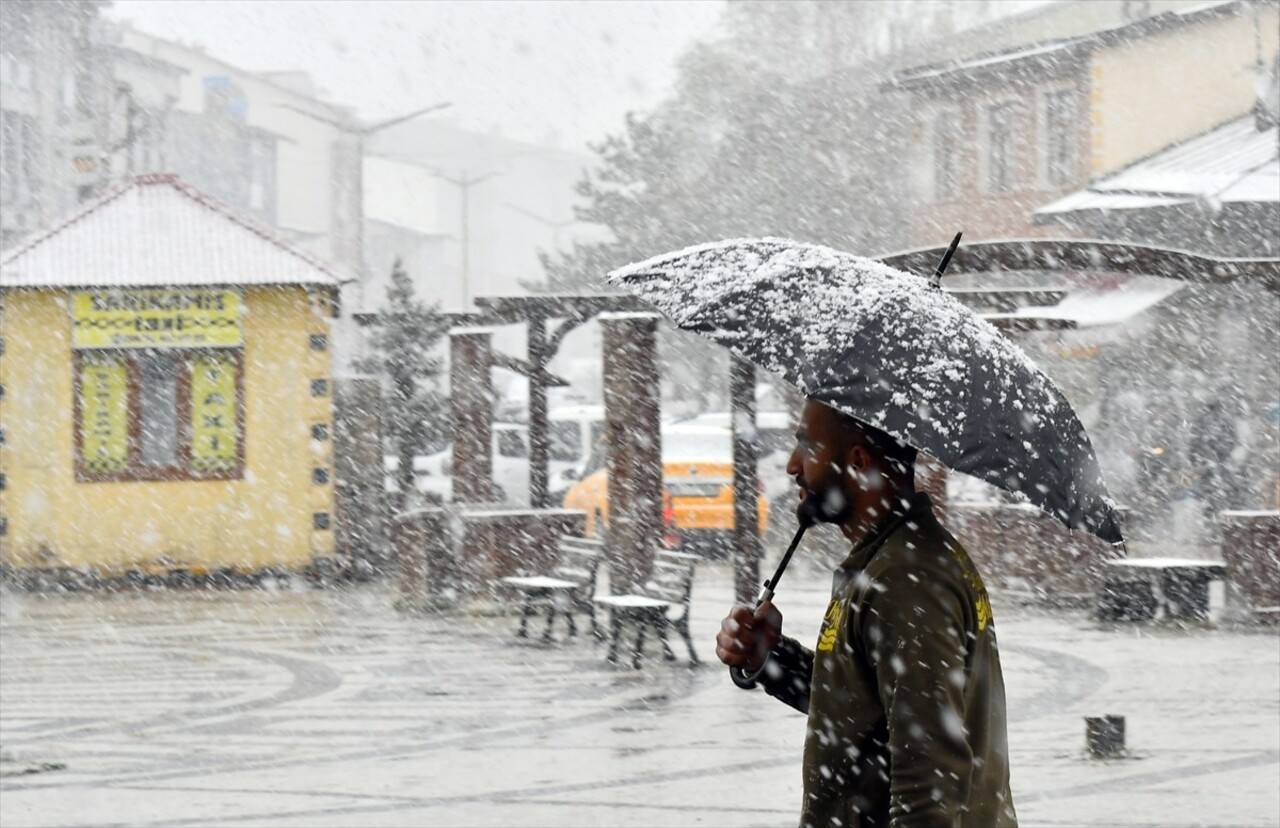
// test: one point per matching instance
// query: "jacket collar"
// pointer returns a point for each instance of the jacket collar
(918, 506)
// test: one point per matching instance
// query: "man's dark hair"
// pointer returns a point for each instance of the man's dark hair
(897, 454)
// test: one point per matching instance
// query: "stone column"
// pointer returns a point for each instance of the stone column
(746, 502)
(361, 504)
(424, 558)
(634, 438)
(538, 438)
(471, 398)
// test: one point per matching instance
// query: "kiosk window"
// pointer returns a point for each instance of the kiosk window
(158, 410)
(159, 414)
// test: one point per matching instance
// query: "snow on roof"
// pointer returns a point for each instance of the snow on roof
(1091, 28)
(156, 230)
(1232, 163)
(1035, 51)
(1090, 308)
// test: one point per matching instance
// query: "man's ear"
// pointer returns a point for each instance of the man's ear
(858, 458)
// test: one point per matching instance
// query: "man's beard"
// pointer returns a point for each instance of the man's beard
(830, 503)
(826, 505)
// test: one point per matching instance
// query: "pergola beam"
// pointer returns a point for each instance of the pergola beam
(1084, 254)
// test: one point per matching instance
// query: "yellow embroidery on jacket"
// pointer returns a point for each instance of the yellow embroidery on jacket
(830, 626)
(982, 606)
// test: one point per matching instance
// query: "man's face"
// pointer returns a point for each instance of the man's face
(818, 464)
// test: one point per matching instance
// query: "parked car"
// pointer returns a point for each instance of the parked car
(697, 476)
(433, 473)
(775, 432)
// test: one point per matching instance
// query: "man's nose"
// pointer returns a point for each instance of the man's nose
(794, 466)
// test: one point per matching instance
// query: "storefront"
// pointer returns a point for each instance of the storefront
(165, 392)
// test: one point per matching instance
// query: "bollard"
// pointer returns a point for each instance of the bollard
(1104, 736)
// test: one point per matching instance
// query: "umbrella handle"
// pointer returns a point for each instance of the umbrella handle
(766, 590)
(738, 675)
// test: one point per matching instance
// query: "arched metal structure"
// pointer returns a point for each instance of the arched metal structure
(1086, 254)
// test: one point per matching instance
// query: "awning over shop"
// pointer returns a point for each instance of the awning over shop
(1085, 307)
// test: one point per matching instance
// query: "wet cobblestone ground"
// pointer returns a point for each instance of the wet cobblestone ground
(315, 707)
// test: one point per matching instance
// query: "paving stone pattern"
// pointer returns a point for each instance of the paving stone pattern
(327, 707)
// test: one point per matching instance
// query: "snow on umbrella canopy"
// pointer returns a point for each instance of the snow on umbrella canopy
(891, 350)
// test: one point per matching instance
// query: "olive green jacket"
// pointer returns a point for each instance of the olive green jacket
(903, 689)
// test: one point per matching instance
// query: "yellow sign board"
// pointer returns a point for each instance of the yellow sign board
(157, 318)
(104, 414)
(214, 432)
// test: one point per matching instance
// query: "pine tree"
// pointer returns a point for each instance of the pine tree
(405, 339)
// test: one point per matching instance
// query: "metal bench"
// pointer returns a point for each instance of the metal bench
(566, 589)
(1134, 588)
(660, 605)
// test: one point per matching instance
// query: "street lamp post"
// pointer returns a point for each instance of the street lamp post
(556, 226)
(361, 133)
(465, 183)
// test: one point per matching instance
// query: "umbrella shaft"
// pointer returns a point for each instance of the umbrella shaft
(767, 590)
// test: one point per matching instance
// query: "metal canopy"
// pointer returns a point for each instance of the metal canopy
(999, 306)
(1072, 254)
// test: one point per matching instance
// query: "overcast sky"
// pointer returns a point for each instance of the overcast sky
(547, 70)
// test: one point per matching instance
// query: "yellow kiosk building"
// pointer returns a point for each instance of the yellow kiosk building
(165, 392)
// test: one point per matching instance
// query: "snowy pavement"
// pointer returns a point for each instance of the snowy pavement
(314, 708)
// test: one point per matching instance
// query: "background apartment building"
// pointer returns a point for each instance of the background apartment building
(89, 102)
(1075, 92)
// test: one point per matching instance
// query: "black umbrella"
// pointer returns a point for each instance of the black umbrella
(891, 350)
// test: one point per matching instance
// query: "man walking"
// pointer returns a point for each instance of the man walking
(903, 688)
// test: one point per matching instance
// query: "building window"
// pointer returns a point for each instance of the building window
(1058, 141)
(320, 520)
(68, 92)
(319, 388)
(259, 165)
(19, 146)
(146, 153)
(319, 342)
(162, 414)
(319, 476)
(320, 432)
(1000, 147)
(15, 71)
(945, 158)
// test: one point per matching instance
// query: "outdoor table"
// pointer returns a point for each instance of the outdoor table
(555, 592)
(641, 610)
(1183, 587)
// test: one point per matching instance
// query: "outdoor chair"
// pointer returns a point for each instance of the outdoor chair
(567, 588)
(660, 605)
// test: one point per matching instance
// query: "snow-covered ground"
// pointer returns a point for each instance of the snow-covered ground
(314, 708)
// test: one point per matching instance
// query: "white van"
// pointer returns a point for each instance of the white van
(433, 473)
(572, 432)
